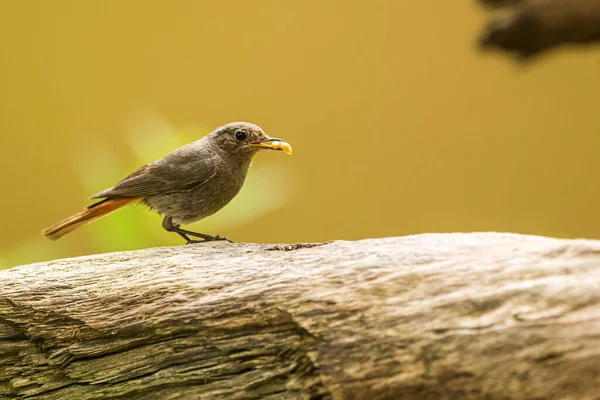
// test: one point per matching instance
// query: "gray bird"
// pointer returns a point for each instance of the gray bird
(187, 185)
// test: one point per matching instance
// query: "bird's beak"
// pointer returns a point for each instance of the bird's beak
(273, 144)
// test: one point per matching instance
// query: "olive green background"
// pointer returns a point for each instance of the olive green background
(399, 126)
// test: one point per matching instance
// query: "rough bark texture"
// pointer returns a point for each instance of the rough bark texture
(446, 316)
(528, 28)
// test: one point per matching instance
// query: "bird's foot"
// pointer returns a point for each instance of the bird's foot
(222, 238)
(209, 239)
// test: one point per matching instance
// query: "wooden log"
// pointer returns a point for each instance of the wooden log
(435, 316)
(529, 28)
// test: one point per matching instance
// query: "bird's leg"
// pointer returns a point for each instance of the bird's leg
(205, 237)
(169, 226)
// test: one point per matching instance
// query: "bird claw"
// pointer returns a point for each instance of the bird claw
(212, 239)
(222, 238)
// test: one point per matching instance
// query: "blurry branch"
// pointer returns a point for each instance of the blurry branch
(528, 28)
(499, 3)
(453, 316)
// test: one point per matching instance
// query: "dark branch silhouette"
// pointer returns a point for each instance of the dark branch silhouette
(528, 28)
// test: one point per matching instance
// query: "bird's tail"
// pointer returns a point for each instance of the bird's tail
(90, 213)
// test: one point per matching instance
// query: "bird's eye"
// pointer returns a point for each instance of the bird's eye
(240, 135)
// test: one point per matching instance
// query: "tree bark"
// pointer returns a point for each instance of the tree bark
(437, 316)
(529, 28)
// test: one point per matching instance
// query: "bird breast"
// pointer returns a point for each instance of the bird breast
(190, 206)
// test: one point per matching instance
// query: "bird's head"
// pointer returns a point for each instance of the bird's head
(246, 138)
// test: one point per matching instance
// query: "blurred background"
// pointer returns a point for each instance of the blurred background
(399, 126)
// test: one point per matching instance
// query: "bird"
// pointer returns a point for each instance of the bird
(185, 186)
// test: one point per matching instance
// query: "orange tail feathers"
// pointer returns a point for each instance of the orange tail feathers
(89, 214)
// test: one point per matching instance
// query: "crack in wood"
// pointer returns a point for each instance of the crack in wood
(297, 246)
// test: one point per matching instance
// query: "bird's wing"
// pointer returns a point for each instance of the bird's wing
(161, 178)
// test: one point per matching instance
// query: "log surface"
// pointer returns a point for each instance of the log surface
(435, 316)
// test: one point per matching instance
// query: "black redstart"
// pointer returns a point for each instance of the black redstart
(186, 185)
